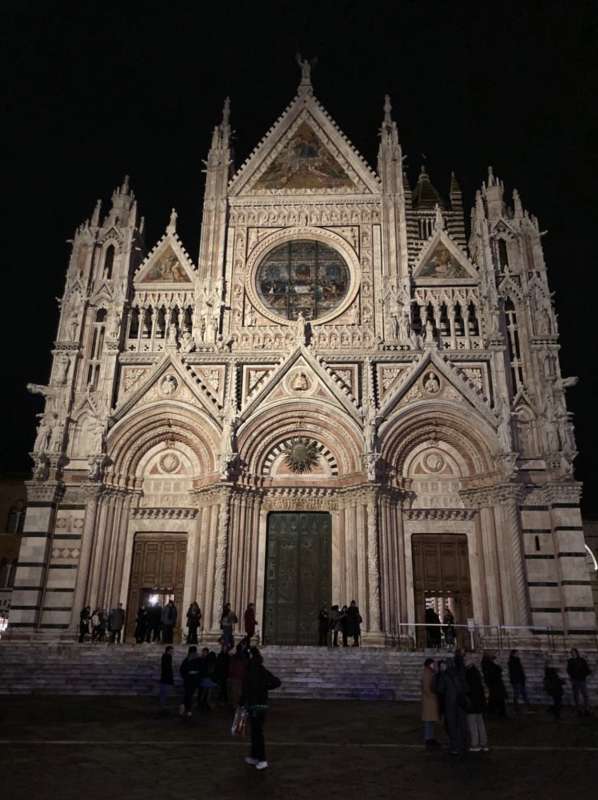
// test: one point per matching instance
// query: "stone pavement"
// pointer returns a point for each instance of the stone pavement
(107, 748)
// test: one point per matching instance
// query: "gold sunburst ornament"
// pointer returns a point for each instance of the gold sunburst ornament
(301, 455)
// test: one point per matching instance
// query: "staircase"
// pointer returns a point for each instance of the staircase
(306, 672)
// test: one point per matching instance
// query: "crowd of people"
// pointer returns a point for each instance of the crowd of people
(458, 694)
(234, 676)
(345, 621)
(437, 630)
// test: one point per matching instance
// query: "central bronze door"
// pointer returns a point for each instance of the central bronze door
(298, 576)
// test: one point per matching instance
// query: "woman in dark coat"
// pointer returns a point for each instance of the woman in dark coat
(141, 622)
(193, 622)
(256, 685)
(453, 690)
(249, 620)
(553, 686)
(84, 618)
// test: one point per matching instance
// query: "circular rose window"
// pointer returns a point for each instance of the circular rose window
(302, 276)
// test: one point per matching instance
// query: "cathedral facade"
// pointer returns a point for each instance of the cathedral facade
(347, 397)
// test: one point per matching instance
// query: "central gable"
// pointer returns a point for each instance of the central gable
(304, 152)
(304, 163)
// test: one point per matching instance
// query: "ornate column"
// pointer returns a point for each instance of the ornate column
(373, 567)
(508, 497)
(91, 491)
(221, 553)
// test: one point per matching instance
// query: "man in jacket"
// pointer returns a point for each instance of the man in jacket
(578, 671)
(166, 676)
(451, 685)
(254, 696)
(430, 710)
(517, 678)
(169, 617)
(116, 621)
(191, 674)
(497, 693)
(476, 705)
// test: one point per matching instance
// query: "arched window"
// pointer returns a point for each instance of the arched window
(514, 346)
(96, 348)
(503, 255)
(109, 261)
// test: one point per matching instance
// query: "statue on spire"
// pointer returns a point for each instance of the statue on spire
(306, 68)
(172, 224)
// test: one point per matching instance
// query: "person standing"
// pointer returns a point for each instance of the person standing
(323, 625)
(497, 693)
(432, 621)
(84, 618)
(476, 705)
(190, 673)
(517, 679)
(249, 621)
(354, 623)
(227, 622)
(334, 625)
(155, 623)
(578, 672)
(237, 668)
(166, 676)
(116, 621)
(169, 618)
(258, 682)
(193, 622)
(141, 625)
(430, 709)
(342, 623)
(553, 686)
(452, 687)
(449, 628)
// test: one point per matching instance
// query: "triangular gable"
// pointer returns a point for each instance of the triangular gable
(170, 379)
(502, 227)
(433, 378)
(300, 376)
(304, 151)
(168, 265)
(441, 261)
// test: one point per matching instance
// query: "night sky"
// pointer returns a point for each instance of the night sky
(97, 90)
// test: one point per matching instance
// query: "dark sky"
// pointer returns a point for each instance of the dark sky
(97, 90)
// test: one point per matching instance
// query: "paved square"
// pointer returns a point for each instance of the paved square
(112, 748)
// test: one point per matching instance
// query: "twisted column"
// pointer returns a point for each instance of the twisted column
(373, 568)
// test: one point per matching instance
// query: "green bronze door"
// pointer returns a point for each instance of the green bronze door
(298, 576)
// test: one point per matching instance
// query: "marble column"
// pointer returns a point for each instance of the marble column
(373, 568)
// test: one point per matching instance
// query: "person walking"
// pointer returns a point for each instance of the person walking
(116, 621)
(190, 673)
(452, 687)
(497, 692)
(553, 686)
(237, 668)
(249, 621)
(430, 708)
(323, 625)
(258, 682)
(84, 619)
(517, 679)
(578, 672)
(193, 622)
(169, 618)
(227, 622)
(166, 676)
(476, 705)
(354, 623)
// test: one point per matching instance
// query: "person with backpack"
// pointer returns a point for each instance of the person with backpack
(578, 671)
(553, 686)
(254, 697)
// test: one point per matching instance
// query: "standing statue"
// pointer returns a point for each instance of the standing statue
(300, 328)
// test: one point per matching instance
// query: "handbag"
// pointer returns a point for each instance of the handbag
(239, 726)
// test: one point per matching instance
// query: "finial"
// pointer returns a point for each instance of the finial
(226, 112)
(306, 67)
(95, 217)
(172, 224)
(491, 180)
(423, 173)
(125, 187)
(387, 110)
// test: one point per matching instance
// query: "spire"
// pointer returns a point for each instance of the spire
(517, 206)
(425, 196)
(171, 227)
(387, 110)
(225, 124)
(305, 86)
(124, 189)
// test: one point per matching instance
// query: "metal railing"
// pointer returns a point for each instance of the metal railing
(422, 636)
